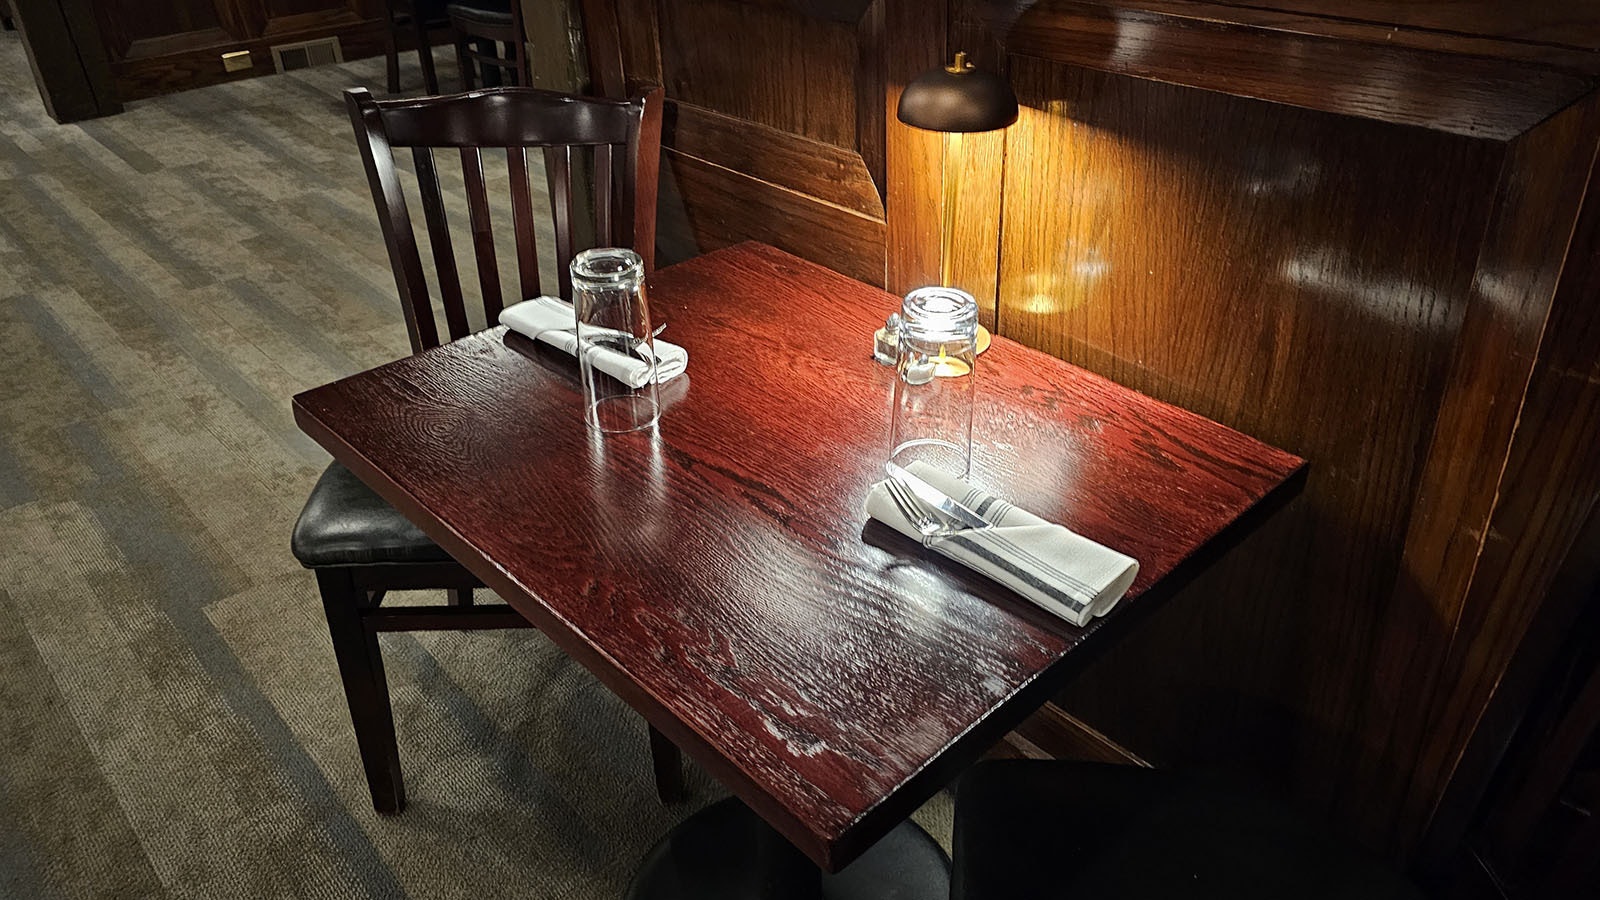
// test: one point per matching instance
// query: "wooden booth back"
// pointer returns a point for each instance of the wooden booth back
(774, 121)
(1363, 244)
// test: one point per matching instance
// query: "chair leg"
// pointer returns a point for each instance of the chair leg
(365, 689)
(524, 66)
(667, 760)
(430, 79)
(491, 73)
(464, 63)
(391, 53)
(460, 596)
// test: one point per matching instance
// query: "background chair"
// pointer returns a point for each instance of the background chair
(482, 28)
(412, 21)
(1040, 830)
(359, 546)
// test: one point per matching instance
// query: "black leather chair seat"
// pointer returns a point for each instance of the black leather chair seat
(482, 12)
(344, 523)
(1036, 830)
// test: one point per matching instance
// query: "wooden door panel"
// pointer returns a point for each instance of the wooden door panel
(278, 9)
(289, 16)
(138, 28)
(161, 47)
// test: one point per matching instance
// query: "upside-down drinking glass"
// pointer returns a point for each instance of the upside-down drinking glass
(936, 380)
(616, 349)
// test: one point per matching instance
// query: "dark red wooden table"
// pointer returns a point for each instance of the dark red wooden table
(720, 575)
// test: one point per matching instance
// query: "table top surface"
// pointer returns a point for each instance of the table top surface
(719, 573)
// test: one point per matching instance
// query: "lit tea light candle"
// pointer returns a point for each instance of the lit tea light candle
(949, 366)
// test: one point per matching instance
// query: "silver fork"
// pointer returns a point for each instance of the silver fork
(925, 522)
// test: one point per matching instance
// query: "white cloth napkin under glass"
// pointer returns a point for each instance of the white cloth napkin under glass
(1065, 573)
(552, 321)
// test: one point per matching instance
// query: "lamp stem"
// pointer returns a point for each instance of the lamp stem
(951, 185)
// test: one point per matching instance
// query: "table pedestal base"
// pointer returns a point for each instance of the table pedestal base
(725, 852)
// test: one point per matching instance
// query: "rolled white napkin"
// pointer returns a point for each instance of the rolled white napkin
(1065, 573)
(552, 321)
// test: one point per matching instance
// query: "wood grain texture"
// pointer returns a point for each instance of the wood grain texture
(1446, 27)
(1457, 93)
(1523, 253)
(766, 139)
(914, 158)
(1550, 22)
(872, 72)
(603, 49)
(974, 183)
(777, 157)
(778, 65)
(723, 207)
(1550, 487)
(974, 173)
(1508, 800)
(639, 40)
(1365, 287)
(717, 574)
(1299, 276)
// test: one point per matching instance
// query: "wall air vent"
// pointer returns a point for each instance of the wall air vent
(287, 57)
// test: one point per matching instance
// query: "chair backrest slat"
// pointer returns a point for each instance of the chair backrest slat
(378, 158)
(522, 221)
(603, 199)
(558, 171)
(444, 255)
(482, 232)
(623, 135)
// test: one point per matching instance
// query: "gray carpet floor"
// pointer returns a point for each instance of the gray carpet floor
(171, 722)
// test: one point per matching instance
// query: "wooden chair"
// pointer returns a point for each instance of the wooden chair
(412, 21)
(482, 27)
(359, 546)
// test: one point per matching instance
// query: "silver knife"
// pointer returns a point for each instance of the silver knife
(936, 498)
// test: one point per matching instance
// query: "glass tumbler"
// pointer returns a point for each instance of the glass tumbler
(937, 381)
(616, 349)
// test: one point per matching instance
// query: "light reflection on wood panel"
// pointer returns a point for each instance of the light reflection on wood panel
(1299, 276)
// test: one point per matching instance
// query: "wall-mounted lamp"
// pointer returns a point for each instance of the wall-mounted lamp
(956, 99)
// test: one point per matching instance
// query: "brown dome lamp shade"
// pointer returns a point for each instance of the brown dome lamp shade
(957, 98)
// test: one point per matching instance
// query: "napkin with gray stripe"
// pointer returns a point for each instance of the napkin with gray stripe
(1065, 573)
(553, 322)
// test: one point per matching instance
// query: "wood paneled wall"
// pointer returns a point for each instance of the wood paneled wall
(774, 126)
(1355, 242)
